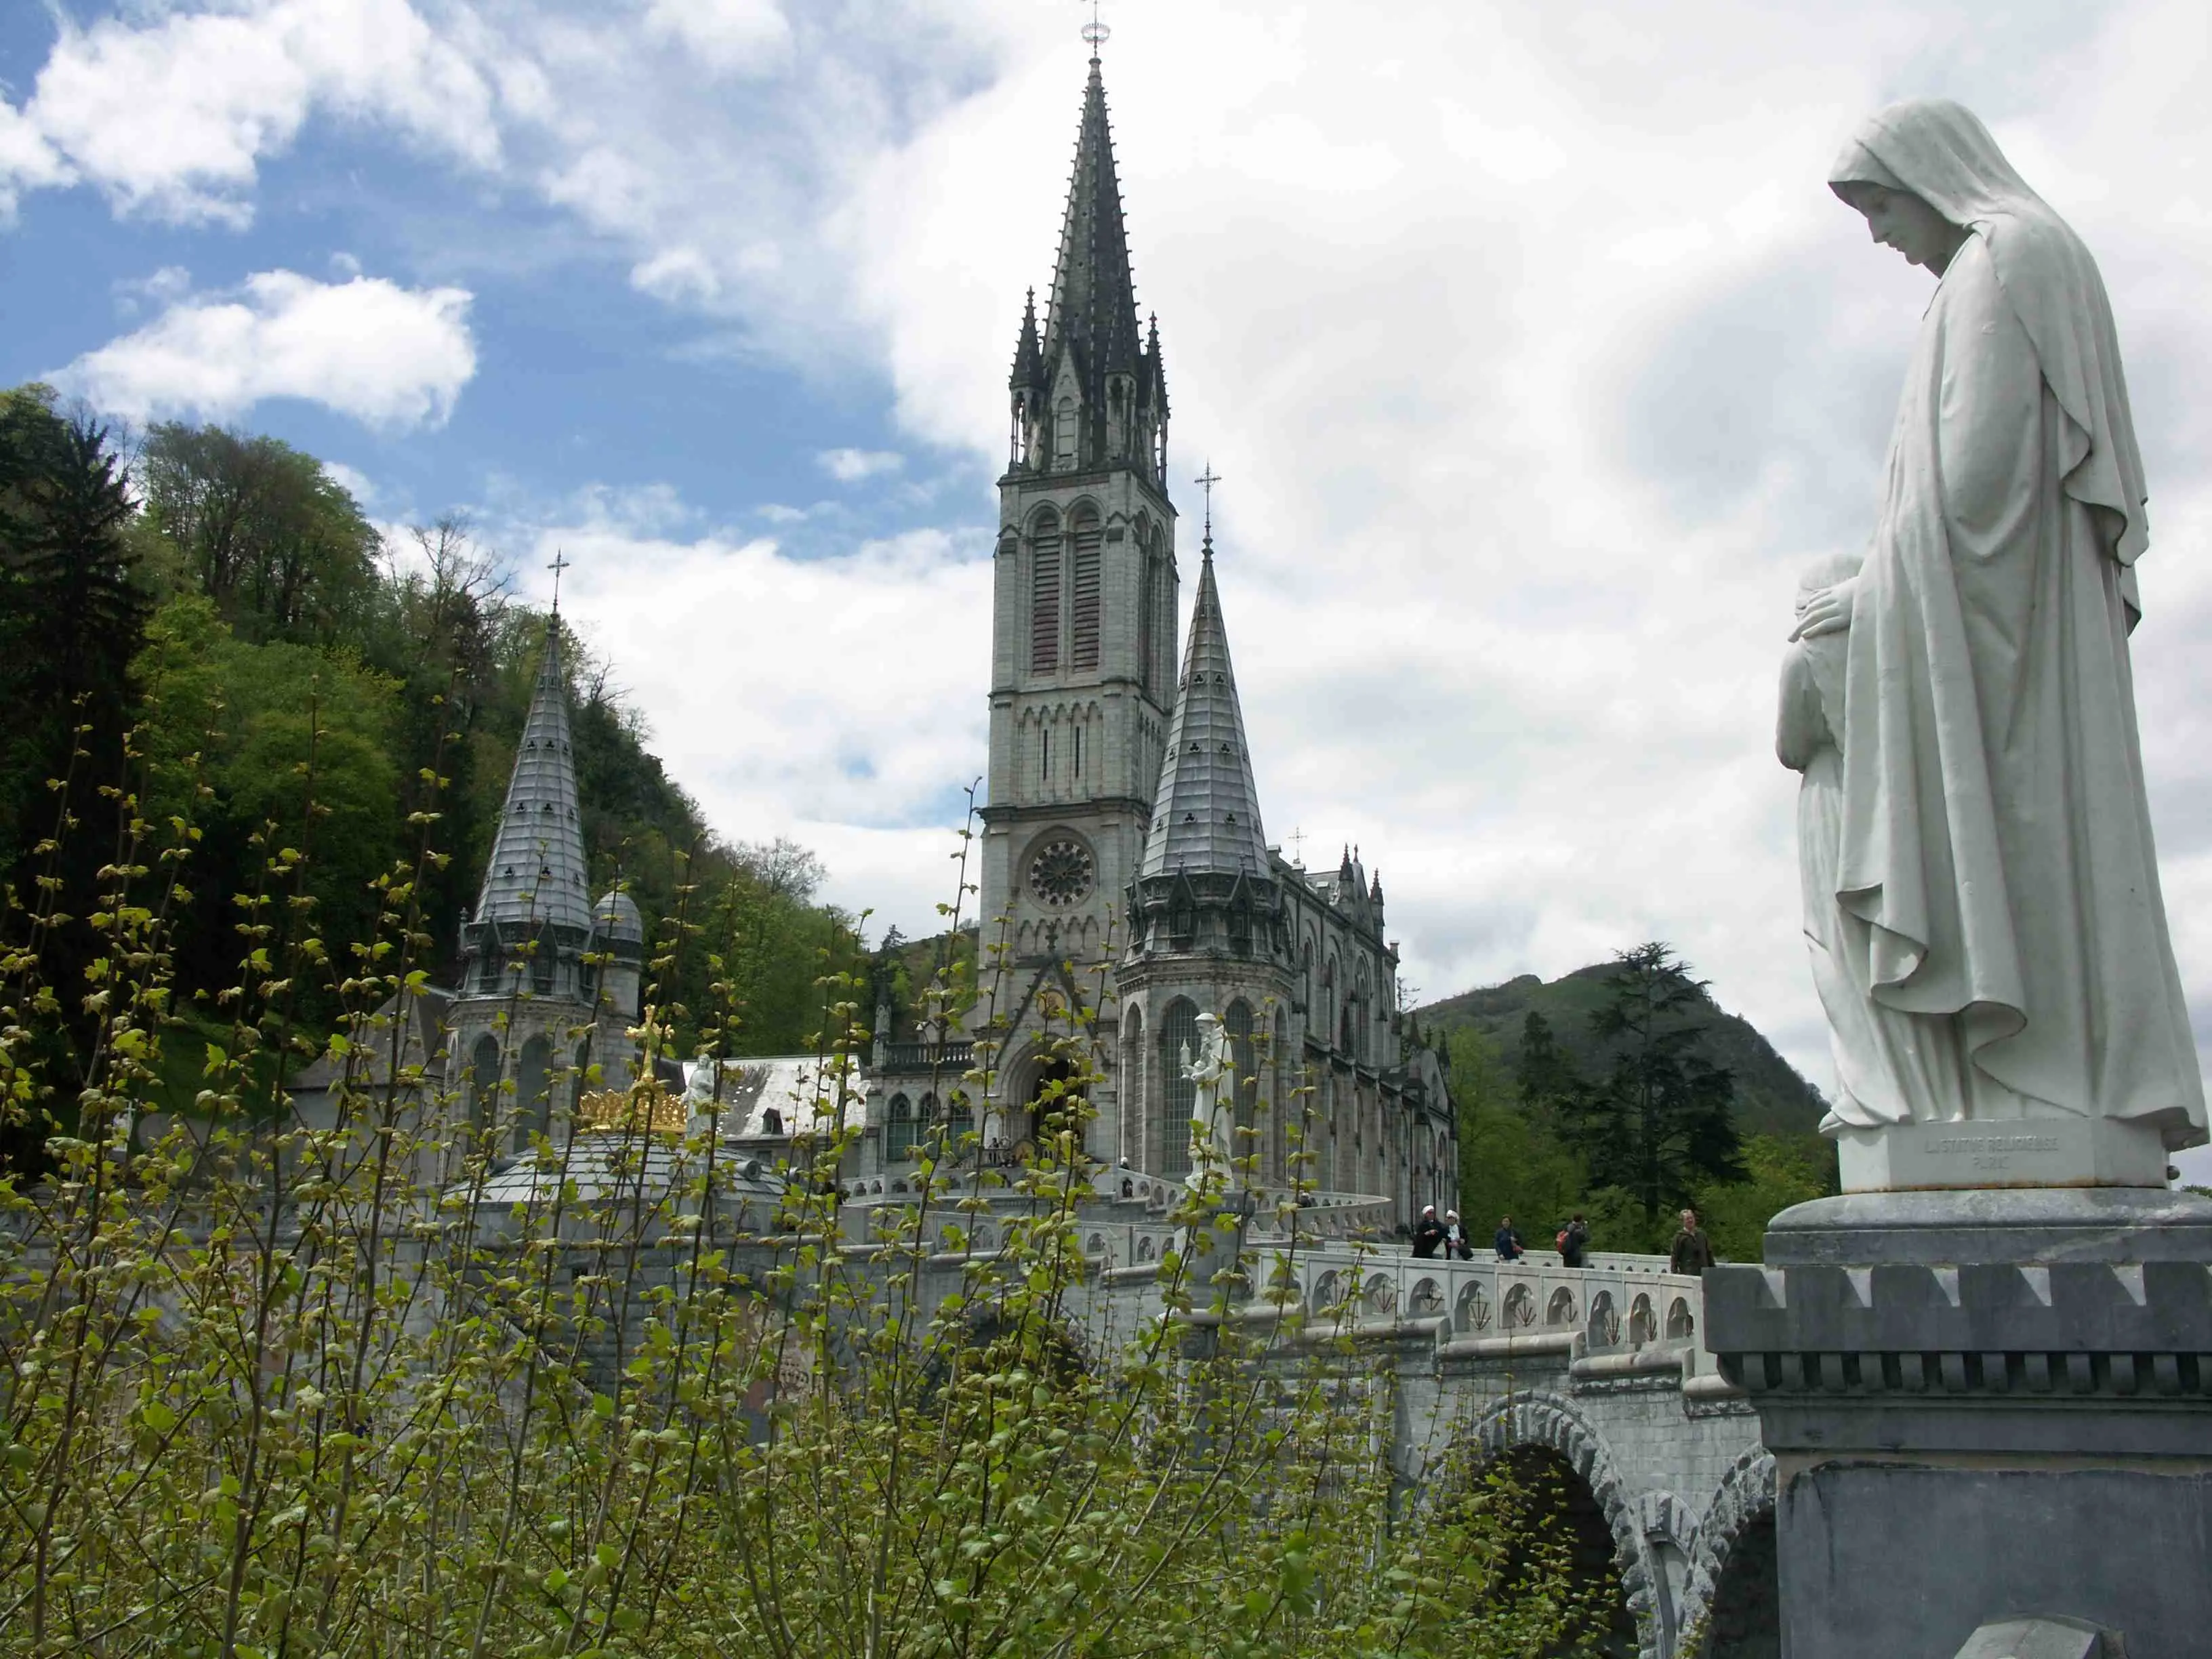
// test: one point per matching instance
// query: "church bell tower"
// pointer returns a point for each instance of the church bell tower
(1084, 596)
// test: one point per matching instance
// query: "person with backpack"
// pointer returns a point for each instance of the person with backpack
(1573, 1241)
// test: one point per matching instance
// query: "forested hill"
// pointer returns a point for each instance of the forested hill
(203, 622)
(1770, 1097)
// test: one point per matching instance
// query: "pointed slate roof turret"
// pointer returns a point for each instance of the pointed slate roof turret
(537, 872)
(1206, 816)
(1028, 356)
(1094, 298)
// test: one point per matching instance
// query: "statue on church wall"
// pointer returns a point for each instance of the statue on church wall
(1212, 1112)
(1982, 893)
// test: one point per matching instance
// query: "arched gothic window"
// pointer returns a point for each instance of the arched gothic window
(1063, 434)
(1169, 1133)
(1087, 535)
(898, 1130)
(1237, 1026)
(534, 1092)
(1132, 1089)
(1044, 599)
(1279, 1103)
(1148, 587)
(483, 1083)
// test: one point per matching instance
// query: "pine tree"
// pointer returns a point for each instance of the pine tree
(1661, 1122)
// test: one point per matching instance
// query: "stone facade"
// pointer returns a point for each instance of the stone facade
(549, 979)
(1124, 870)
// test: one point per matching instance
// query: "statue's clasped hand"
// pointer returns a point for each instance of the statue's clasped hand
(1825, 612)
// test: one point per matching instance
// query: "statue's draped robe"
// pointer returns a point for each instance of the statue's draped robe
(1872, 1047)
(1995, 868)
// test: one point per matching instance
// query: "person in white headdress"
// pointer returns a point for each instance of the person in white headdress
(1995, 875)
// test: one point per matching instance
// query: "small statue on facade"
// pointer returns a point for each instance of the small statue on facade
(1212, 1111)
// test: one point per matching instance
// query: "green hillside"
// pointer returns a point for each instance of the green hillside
(1531, 1145)
(1770, 1097)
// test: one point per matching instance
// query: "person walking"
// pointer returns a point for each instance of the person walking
(1506, 1242)
(1428, 1233)
(1692, 1252)
(1574, 1239)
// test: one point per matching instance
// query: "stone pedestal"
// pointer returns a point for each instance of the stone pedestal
(2054, 1151)
(1982, 1405)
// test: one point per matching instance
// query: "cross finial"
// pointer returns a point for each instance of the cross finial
(1208, 479)
(561, 562)
(1298, 846)
(1095, 31)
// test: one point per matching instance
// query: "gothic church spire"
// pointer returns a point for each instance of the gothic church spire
(1205, 815)
(537, 872)
(1093, 308)
(1088, 392)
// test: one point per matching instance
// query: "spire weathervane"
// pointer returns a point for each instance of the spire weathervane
(1095, 31)
(1208, 478)
(561, 562)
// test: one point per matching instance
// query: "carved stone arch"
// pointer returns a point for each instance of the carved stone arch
(1731, 1580)
(1551, 1422)
(1045, 521)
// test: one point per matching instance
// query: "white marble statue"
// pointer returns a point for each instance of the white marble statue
(1983, 896)
(1214, 1107)
(702, 1089)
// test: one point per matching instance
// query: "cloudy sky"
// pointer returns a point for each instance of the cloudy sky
(1534, 356)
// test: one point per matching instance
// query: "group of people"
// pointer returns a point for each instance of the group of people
(1430, 1235)
(1690, 1253)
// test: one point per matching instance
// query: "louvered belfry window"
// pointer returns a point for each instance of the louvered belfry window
(1151, 578)
(1044, 602)
(1084, 601)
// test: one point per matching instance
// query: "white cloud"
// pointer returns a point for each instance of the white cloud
(1535, 364)
(171, 117)
(725, 35)
(384, 355)
(852, 466)
(355, 483)
(1535, 355)
(787, 693)
(27, 161)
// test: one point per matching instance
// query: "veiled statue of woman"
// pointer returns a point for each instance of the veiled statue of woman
(1987, 844)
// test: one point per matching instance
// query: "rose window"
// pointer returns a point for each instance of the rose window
(1060, 874)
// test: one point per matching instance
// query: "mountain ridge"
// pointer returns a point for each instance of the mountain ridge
(1772, 1098)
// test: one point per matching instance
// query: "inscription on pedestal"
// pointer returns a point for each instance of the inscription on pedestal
(2052, 1152)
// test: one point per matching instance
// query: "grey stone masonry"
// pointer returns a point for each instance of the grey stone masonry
(1982, 1405)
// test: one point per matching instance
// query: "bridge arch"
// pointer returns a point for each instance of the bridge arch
(1550, 1423)
(1732, 1604)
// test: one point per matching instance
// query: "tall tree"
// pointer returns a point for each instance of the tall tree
(71, 616)
(1545, 1072)
(279, 545)
(1660, 1123)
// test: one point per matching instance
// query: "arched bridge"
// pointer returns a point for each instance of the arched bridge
(1594, 1373)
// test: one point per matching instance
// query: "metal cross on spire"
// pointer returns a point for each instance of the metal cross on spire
(1095, 31)
(561, 562)
(1208, 479)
